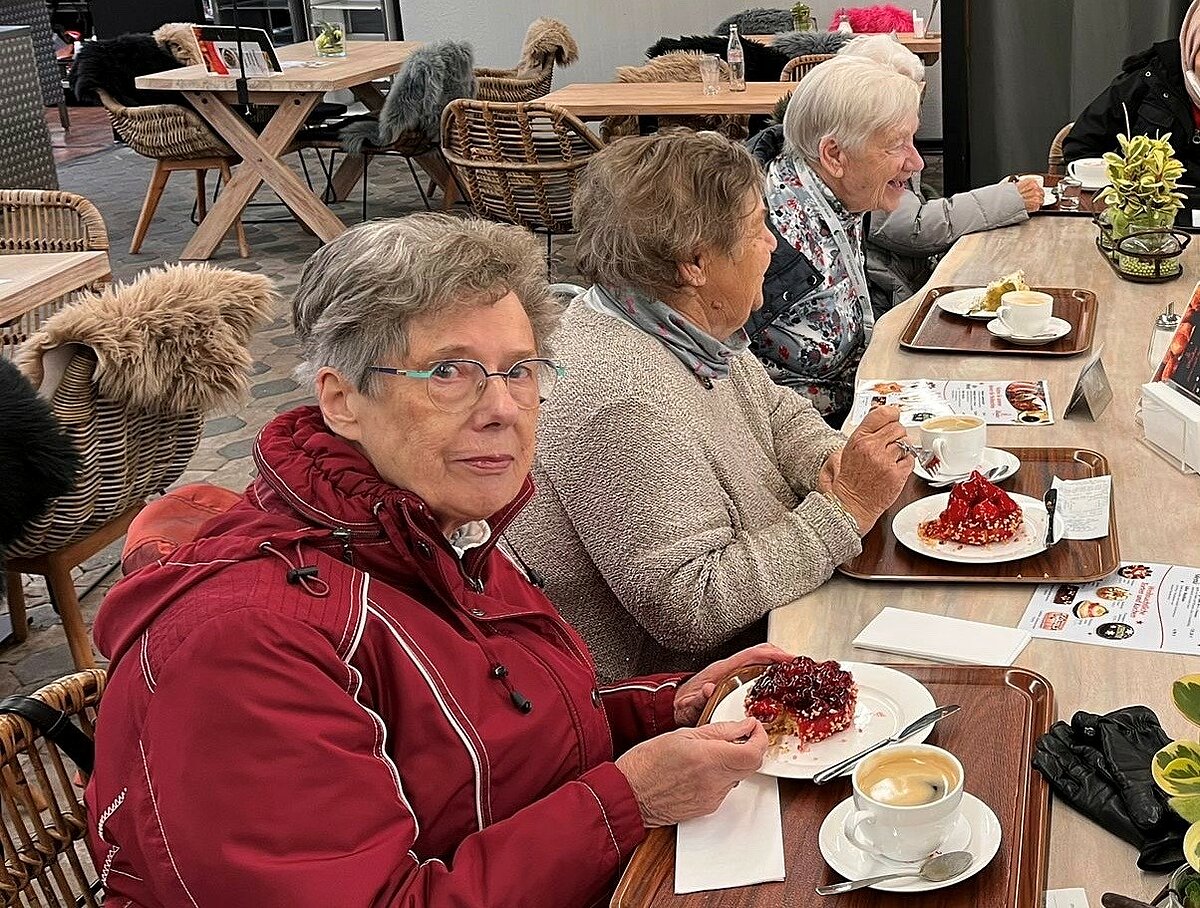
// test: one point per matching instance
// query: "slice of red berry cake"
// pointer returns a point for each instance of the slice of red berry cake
(977, 513)
(811, 700)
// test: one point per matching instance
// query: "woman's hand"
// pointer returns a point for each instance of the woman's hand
(873, 468)
(829, 472)
(1031, 193)
(688, 772)
(693, 693)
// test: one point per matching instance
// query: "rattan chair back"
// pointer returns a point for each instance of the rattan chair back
(506, 86)
(798, 67)
(1055, 163)
(164, 131)
(517, 163)
(44, 818)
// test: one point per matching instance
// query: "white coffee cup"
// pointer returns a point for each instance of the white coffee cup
(1041, 180)
(1091, 172)
(885, 822)
(1026, 313)
(957, 440)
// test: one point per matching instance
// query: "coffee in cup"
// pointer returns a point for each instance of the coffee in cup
(1026, 313)
(907, 799)
(957, 440)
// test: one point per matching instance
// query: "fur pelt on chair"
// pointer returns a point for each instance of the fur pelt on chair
(874, 20)
(546, 40)
(672, 67)
(763, 63)
(113, 64)
(178, 39)
(171, 341)
(432, 77)
(37, 460)
(757, 21)
(799, 44)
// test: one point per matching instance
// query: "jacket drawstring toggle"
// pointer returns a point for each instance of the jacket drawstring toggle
(303, 575)
(520, 701)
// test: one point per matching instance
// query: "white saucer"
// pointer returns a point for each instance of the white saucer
(992, 457)
(1048, 196)
(1059, 328)
(977, 831)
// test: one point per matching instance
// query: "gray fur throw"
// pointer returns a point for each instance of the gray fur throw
(757, 21)
(798, 44)
(432, 77)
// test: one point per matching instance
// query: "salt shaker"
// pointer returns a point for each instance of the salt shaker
(1165, 327)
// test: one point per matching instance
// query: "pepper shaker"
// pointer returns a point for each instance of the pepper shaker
(1165, 327)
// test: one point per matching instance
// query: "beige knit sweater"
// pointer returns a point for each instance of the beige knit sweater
(670, 516)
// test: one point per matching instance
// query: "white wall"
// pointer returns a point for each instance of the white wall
(610, 33)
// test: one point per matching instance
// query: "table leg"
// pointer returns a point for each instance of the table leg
(435, 165)
(260, 163)
(351, 169)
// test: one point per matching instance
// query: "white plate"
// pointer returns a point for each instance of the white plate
(1030, 540)
(977, 831)
(992, 457)
(1048, 196)
(1059, 328)
(887, 701)
(959, 302)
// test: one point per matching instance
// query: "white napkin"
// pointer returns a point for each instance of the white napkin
(739, 845)
(1066, 898)
(941, 639)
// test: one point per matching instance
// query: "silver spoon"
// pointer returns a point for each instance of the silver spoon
(988, 474)
(936, 869)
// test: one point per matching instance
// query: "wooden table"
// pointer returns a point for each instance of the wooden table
(30, 280)
(1155, 504)
(606, 99)
(294, 93)
(927, 48)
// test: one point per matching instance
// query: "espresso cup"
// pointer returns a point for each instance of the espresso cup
(1089, 171)
(1041, 180)
(1026, 313)
(958, 441)
(907, 798)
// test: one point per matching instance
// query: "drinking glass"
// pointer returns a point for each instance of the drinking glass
(710, 73)
(329, 39)
(1068, 190)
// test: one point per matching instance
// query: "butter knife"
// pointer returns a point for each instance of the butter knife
(1051, 501)
(830, 773)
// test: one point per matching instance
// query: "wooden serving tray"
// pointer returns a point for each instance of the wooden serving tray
(1070, 560)
(930, 330)
(1014, 705)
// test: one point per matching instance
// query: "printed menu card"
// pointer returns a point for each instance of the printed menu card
(998, 403)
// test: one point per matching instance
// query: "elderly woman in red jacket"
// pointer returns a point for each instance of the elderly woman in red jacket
(344, 692)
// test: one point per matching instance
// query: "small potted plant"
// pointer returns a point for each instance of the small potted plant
(802, 20)
(330, 39)
(1176, 770)
(1142, 202)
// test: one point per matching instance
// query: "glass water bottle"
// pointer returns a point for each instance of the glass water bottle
(736, 58)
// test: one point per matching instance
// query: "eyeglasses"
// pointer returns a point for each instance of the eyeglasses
(455, 385)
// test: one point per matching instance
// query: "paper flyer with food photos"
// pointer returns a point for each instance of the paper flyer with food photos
(1180, 367)
(1141, 606)
(998, 403)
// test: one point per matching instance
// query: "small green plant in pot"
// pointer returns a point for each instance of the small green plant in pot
(1176, 770)
(1142, 196)
(802, 20)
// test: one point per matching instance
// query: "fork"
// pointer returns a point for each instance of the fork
(926, 458)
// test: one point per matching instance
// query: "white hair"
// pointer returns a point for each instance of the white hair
(848, 99)
(886, 50)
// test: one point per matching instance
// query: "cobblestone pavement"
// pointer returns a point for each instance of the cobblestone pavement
(115, 180)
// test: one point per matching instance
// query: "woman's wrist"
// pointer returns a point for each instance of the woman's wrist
(857, 522)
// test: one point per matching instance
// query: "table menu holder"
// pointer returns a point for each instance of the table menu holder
(1015, 706)
(1171, 426)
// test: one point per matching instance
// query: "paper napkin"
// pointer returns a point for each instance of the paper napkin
(739, 845)
(941, 639)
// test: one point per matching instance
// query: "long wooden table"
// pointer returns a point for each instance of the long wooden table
(607, 99)
(30, 280)
(927, 47)
(1156, 507)
(294, 93)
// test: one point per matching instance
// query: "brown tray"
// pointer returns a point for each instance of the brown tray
(1087, 202)
(1014, 704)
(1071, 560)
(930, 330)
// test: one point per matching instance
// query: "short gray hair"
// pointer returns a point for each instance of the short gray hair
(359, 293)
(886, 50)
(849, 99)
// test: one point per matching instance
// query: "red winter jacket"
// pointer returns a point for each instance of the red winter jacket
(390, 726)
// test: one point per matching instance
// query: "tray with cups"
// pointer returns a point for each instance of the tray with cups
(1044, 321)
(961, 813)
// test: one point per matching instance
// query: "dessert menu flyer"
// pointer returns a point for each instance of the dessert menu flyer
(1140, 606)
(1181, 364)
(999, 403)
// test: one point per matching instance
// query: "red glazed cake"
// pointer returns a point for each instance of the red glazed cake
(977, 513)
(811, 700)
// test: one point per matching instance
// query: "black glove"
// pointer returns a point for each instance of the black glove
(1100, 765)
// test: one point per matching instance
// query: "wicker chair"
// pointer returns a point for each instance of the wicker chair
(1056, 165)
(518, 163)
(546, 41)
(44, 817)
(176, 139)
(798, 67)
(44, 220)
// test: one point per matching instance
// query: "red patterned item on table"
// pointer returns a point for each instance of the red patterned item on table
(977, 513)
(808, 699)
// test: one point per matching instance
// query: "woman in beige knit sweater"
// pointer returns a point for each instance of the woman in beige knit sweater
(682, 494)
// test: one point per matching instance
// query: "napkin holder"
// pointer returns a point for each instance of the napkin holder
(1171, 425)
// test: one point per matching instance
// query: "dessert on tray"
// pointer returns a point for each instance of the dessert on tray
(977, 513)
(811, 700)
(990, 301)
